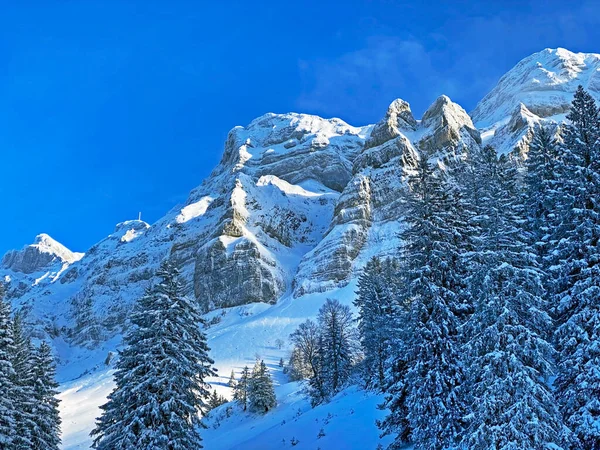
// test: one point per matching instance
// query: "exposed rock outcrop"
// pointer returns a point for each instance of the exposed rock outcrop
(447, 124)
(234, 271)
(516, 134)
(371, 204)
(398, 119)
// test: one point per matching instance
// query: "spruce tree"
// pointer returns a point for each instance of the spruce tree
(160, 378)
(394, 384)
(7, 374)
(375, 303)
(240, 391)
(577, 274)
(541, 189)
(46, 417)
(430, 262)
(261, 394)
(215, 400)
(23, 382)
(508, 357)
(231, 383)
(396, 388)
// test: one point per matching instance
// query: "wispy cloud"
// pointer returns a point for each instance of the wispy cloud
(363, 81)
(462, 58)
(360, 84)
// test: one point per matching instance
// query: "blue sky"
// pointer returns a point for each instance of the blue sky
(108, 108)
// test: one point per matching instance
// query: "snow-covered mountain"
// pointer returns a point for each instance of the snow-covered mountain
(541, 86)
(544, 82)
(289, 216)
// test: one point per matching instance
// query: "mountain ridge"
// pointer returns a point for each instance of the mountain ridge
(226, 223)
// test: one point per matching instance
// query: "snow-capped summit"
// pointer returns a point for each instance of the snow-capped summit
(38, 256)
(289, 145)
(129, 230)
(445, 124)
(544, 82)
(46, 244)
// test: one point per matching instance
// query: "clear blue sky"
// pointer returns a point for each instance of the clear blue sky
(108, 108)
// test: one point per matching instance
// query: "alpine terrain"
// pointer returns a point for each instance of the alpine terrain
(285, 229)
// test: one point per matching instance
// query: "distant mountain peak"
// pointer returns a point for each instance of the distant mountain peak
(544, 82)
(38, 256)
(46, 244)
(446, 108)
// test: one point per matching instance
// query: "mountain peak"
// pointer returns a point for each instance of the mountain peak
(446, 123)
(444, 107)
(46, 244)
(291, 146)
(544, 82)
(37, 256)
(398, 118)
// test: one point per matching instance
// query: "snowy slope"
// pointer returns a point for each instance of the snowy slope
(244, 333)
(288, 218)
(347, 422)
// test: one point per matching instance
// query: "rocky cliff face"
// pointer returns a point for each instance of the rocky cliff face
(297, 204)
(279, 177)
(237, 239)
(368, 214)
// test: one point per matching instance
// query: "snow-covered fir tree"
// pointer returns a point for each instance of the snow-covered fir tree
(336, 350)
(261, 393)
(215, 400)
(231, 383)
(160, 378)
(456, 232)
(46, 417)
(23, 382)
(7, 388)
(430, 262)
(541, 189)
(240, 391)
(507, 356)
(577, 274)
(375, 303)
(395, 383)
